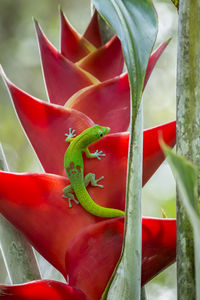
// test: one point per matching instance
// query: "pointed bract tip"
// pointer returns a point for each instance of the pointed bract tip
(64, 18)
(169, 40)
(60, 10)
(1, 70)
(3, 74)
(35, 21)
(37, 27)
(7, 81)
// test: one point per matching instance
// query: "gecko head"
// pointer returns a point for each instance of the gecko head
(95, 133)
(100, 131)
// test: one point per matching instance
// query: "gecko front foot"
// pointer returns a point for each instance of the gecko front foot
(70, 136)
(98, 154)
(71, 133)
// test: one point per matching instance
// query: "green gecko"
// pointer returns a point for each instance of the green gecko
(73, 163)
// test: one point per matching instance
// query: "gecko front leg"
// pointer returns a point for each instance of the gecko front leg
(97, 154)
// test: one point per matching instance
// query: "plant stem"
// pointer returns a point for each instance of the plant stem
(128, 286)
(188, 134)
(143, 293)
(132, 254)
(18, 254)
(137, 40)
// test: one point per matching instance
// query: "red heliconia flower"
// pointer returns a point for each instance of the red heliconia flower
(85, 86)
(41, 290)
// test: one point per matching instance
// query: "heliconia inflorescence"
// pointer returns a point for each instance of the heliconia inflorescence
(85, 86)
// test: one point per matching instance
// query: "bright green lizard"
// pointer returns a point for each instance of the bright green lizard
(73, 163)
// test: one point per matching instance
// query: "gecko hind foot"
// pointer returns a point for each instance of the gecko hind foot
(97, 180)
(69, 198)
(94, 181)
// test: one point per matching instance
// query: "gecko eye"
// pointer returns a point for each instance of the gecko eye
(101, 134)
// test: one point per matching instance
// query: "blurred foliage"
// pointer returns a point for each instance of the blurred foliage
(19, 57)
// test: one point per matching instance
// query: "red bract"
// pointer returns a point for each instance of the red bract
(42, 289)
(103, 242)
(111, 96)
(97, 63)
(36, 207)
(88, 81)
(53, 121)
(73, 45)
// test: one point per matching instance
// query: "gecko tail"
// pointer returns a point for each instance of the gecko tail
(109, 213)
(93, 208)
(101, 211)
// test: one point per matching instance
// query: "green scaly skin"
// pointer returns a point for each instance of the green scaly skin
(73, 163)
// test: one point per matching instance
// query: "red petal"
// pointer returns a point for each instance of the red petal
(152, 153)
(62, 77)
(35, 206)
(153, 60)
(46, 125)
(33, 203)
(109, 101)
(93, 254)
(53, 121)
(113, 167)
(73, 46)
(106, 102)
(106, 62)
(158, 246)
(41, 290)
(92, 32)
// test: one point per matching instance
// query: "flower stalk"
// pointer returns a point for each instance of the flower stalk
(132, 251)
(188, 138)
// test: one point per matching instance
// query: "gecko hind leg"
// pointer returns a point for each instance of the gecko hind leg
(90, 178)
(68, 194)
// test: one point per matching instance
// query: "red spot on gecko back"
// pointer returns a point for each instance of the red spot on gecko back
(78, 168)
(71, 166)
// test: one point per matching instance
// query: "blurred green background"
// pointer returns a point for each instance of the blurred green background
(19, 57)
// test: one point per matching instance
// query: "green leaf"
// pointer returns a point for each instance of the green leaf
(135, 23)
(186, 176)
(185, 173)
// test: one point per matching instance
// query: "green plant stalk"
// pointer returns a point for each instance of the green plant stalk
(3, 274)
(143, 293)
(135, 23)
(106, 34)
(18, 254)
(127, 280)
(188, 137)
